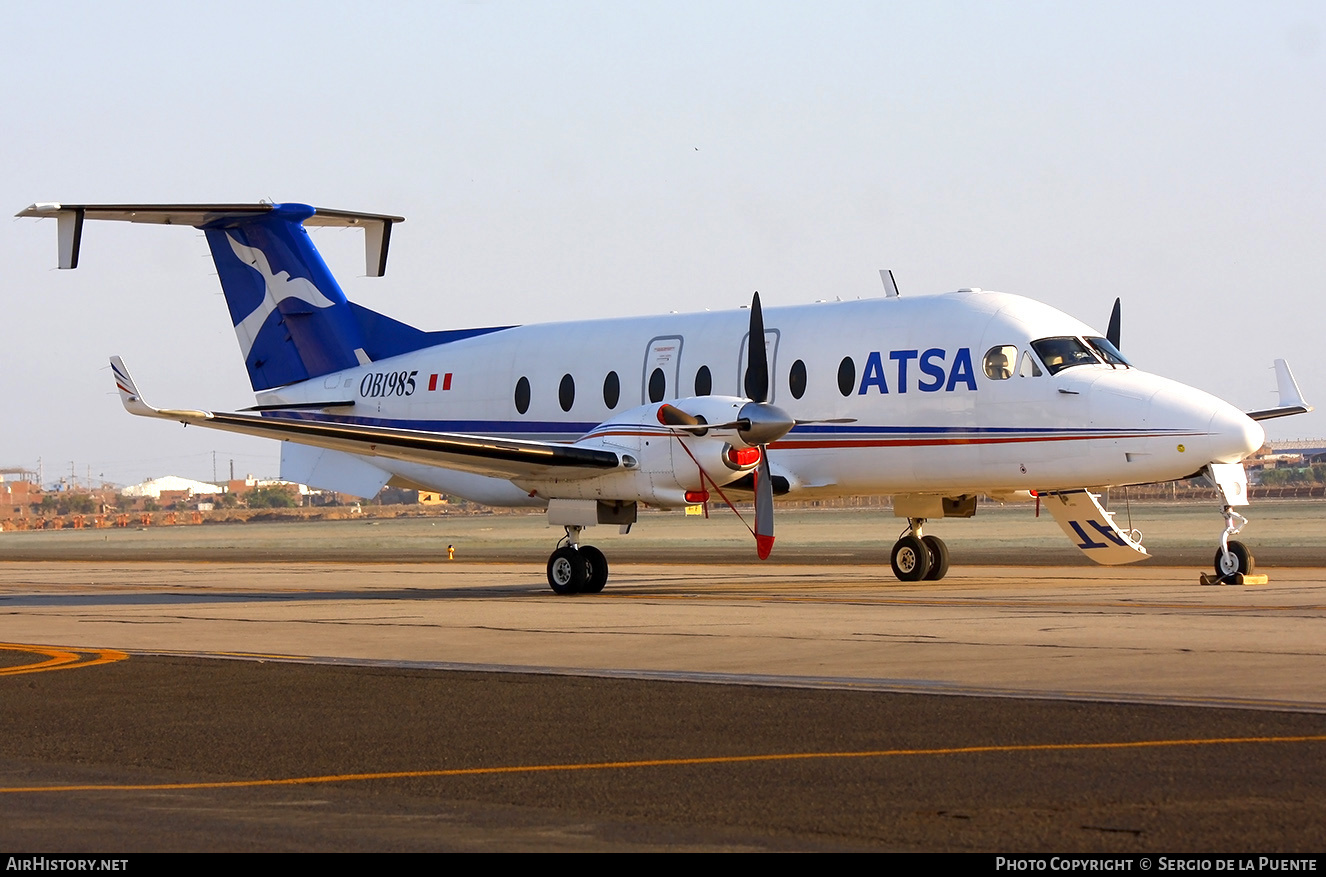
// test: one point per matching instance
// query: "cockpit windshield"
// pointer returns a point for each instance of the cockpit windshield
(1065, 352)
(1109, 352)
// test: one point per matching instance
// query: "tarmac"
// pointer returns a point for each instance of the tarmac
(368, 706)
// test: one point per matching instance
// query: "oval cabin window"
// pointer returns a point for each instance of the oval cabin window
(522, 395)
(846, 376)
(566, 392)
(796, 379)
(704, 381)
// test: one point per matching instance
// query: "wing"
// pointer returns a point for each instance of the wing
(483, 455)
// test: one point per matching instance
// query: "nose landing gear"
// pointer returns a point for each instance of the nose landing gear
(1232, 557)
(917, 557)
(574, 568)
(1233, 560)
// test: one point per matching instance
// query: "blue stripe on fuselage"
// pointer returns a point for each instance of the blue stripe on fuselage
(577, 429)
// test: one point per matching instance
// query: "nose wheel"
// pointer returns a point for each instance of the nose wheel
(917, 557)
(1233, 557)
(575, 568)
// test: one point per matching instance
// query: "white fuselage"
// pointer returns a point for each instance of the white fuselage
(927, 414)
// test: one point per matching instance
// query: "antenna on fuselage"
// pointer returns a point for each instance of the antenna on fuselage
(890, 287)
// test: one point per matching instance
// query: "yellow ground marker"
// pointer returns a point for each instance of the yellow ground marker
(59, 658)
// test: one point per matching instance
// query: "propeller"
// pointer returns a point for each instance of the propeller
(758, 422)
(1112, 331)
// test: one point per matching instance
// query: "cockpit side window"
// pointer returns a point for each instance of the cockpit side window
(1109, 352)
(1063, 352)
(999, 362)
(1029, 368)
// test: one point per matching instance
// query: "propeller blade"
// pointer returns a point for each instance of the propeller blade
(764, 528)
(1112, 332)
(757, 358)
(671, 415)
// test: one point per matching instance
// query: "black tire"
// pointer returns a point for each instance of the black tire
(910, 559)
(1240, 561)
(938, 558)
(566, 571)
(596, 570)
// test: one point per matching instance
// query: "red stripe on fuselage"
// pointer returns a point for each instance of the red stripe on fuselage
(920, 443)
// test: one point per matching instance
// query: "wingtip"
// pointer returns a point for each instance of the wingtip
(1287, 388)
(129, 395)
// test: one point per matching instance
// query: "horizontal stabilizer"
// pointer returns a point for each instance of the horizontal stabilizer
(1092, 529)
(377, 226)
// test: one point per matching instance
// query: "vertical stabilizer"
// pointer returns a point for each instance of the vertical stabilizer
(290, 316)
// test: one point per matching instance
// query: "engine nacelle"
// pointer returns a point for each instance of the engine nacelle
(661, 462)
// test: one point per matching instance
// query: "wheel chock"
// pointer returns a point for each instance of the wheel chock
(1237, 578)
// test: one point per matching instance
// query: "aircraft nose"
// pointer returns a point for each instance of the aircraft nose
(1234, 435)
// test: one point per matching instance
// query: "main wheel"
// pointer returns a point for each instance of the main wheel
(910, 559)
(566, 571)
(596, 569)
(938, 558)
(1239, 560)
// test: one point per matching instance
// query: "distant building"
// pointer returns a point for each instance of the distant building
(241, 486)
(16, 497)
(172, 484)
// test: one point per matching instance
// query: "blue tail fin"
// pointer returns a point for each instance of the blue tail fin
(291, 318)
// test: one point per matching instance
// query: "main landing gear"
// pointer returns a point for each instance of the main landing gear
(1233, 557)
(917, 557)
(576, 569)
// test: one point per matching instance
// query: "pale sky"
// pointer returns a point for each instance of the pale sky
(576, 160)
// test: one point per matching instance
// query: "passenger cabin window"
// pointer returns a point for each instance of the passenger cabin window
(522, 395)
(1064, 352)
(1109, 352)
(999, 362)
(796, 379)
(612, 390)
(847, 376)
(704, 381)
(566, 392)
(658, 385)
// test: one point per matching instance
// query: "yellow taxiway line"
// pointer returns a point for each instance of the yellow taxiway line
(669, 762)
